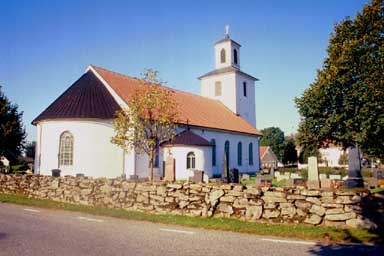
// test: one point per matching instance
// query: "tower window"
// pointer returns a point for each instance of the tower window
(222, 56)
(218, 88)
(235, 56)
(245, 89)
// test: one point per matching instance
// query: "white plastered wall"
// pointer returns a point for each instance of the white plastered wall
(228, 90)
(203, 159)
(234, 138)
(93, 153)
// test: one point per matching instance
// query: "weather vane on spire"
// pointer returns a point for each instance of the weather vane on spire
(227, 31)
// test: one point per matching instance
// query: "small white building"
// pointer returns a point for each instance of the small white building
(4, 161)
(334, 156)
(74, 133)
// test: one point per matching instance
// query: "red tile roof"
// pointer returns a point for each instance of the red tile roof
(85, 98)
(188, 138)
(193, 109)
(262, 150)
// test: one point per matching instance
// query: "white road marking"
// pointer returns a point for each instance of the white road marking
(177, 231)
(287, 241)
(30, 210)
(89, 219)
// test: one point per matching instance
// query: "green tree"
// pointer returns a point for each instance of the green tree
(12, 133)
(274, 137)
(345, 104)
(149, 120)
(290, 153)
(30, 149)
(343, 159)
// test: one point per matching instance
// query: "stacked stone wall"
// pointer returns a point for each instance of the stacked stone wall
(248, 203)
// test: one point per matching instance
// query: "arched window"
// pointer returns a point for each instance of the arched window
(66, 149)
(235, 56)
(245, 89)
(213, 152)
(226, 150)
(222, 56)
(157, 155)
(191, 160)
(250, 152)
(239, 154)
(217, 88)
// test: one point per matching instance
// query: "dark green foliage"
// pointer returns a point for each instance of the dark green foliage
(30, 149)
(345, 104)
(12, 133)
(290, 153)
(343, 158)
(274, 137)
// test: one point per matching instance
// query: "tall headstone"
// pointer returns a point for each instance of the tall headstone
(224, 169)
(169, 170)
(355, 179)
(313, 173)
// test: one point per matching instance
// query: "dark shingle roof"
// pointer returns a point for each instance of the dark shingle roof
(226, 40)
(86, 98)
(227, 70)
(188, 138)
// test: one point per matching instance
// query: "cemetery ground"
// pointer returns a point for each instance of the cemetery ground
(300, 231)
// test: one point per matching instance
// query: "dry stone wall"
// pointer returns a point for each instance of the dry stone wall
(249, 203)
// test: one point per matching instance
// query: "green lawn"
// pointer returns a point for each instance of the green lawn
(278, 230)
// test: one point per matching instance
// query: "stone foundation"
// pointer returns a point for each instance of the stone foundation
(249, 203)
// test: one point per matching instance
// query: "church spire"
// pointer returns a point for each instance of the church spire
(227, 31)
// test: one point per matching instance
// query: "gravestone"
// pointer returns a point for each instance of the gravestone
(197, 176)
(322, 176)
(326, 183)
(224, 169)
(169, 170)
(295, 176)
(334, 176)
(378, 174)
(355, 180)
(372, 182)
(245, 177)
(263, 181)
(56, 172)
(295, 182)
(234, 175)
(133, 177)
(313, 173)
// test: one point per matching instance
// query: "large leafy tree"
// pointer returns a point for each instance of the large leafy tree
(274, 137)
(345, 104)
(290, 152)
(12, 133)
(149, 120)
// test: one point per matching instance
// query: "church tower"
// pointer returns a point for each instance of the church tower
(227, 83)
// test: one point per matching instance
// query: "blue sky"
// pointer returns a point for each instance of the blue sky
(46, 45)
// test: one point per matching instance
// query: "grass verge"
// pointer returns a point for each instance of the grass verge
(324, 234)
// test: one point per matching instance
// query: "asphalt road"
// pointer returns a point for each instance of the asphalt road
(34, 231)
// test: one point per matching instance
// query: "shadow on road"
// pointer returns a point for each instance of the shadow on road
(3, 236)
(345, 250)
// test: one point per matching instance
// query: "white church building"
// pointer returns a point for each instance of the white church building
(74, 133)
